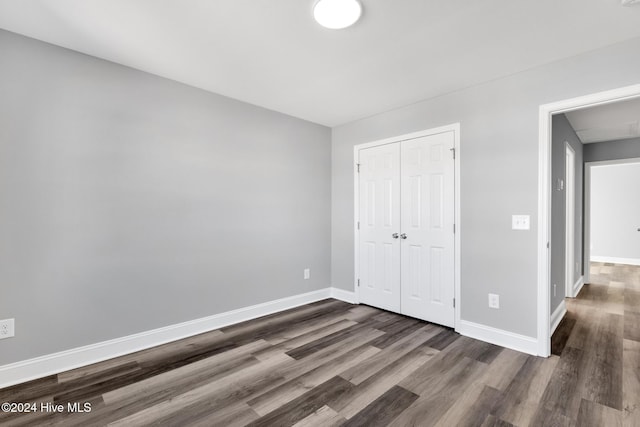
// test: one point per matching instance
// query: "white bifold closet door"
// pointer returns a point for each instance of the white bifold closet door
(406, 227)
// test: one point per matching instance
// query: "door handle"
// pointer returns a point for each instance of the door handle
(403, 236)
(395, 235)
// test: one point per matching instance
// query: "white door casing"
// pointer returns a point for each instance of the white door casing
(380, 226)
(427, 218)
(546, 112)
(570, 212)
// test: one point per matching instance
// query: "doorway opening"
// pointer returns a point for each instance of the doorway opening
(544, 199)
(612, 212)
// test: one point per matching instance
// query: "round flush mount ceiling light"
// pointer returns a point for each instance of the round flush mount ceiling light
(337, 14)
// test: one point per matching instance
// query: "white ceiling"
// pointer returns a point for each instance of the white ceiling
(271, 53)
(619, 120)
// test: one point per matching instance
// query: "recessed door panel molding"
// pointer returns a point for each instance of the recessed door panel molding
(435, 275)
(389, 194)
(369, 272)
(437, 153)
(437, 203)
(380, 200)
(415, 213)
(407, 206)
(370, 195)
(412, 279)
(389, 258)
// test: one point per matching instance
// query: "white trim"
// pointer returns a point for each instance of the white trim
(342, 295)
(577, 287)
(544, 206)
(557, 316)
(413, 135)
(544, 203)
(569, 218)
(586, 225)
(455, 128)
(628, 161)
(458, 225)
(356, 216)
(50, 364)
(499, 337)
(615, 260)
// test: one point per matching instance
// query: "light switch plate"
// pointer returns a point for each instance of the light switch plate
(520, 222)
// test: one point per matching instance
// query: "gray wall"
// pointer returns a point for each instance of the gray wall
(499, 175)
(612, 150)
(615, 212)
(130, 202)
(563, 132)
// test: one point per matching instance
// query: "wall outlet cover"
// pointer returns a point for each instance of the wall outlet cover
(7, 328)
(494, 301)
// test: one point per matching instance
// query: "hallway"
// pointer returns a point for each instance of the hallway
(598, 341)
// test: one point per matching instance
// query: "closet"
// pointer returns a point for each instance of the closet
(405, 232)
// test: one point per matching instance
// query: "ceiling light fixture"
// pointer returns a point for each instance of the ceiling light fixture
(337, 14)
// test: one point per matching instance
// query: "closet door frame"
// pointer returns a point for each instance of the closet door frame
(455, 128)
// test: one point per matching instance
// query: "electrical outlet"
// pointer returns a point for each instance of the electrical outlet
(7, 328)
(307, 273)
(494, 301)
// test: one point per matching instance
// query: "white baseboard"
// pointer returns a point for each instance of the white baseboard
(55, 363)
(577, 287)
(499, 337)
(616, 260)
(342, 295)
(557, 316)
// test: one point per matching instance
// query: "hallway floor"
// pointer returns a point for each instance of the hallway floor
(598, 341)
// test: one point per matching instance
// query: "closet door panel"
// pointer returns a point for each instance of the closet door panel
(379, 204)
(427, 212)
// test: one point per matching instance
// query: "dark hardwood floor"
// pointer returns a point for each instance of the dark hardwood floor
(331, 363)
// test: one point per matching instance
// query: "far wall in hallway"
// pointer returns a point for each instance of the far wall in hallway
(615, 213)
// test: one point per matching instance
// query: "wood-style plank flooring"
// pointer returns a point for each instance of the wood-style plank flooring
(334, 364)
(597, 380)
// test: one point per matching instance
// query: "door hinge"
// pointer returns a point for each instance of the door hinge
(454, 229)
(547, 245)
(358, 225)
(453, 151)
(454, 303)
(358, 166)
(358, 282)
